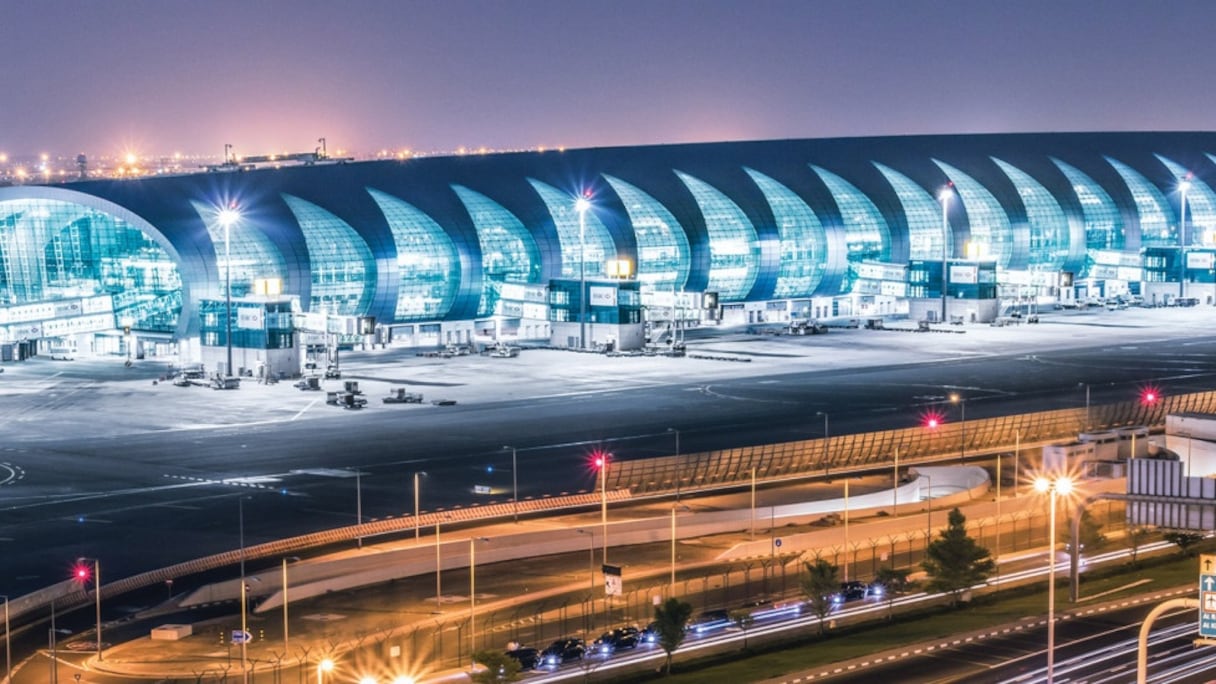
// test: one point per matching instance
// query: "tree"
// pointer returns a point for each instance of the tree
(743, 619)
(671, 620)
(954, 561)
(1090, 532)
(1183, 540)
(893, 581)
(819, 584)
(499, 667)
(1135, 539)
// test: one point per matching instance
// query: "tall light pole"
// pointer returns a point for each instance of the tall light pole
(895, 485)
(1183, 187)
(1087, 423)
(326, 665)
(955, 398)
(514, 484)
(679, 468)
(1060, 484)
(601, 462)
(8, 647)
(244, 610)
(827, 438)
(581, 205)
(82, 573)
(473, 595)
(417, 533)
(929, 500)
(846, 528)
(228, 217)
(944, 197)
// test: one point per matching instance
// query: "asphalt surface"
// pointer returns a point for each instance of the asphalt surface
(97, 461)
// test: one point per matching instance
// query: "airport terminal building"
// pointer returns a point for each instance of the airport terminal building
(442, 250)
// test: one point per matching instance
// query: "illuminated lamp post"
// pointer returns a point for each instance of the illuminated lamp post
(955, 398)
(514, 484)
(1183, 187)
(601, 464)
(227, 218)
(8, 646)
(326, 665)
(581, 205)
(1061, 484)
(944, 197)
(82, 573)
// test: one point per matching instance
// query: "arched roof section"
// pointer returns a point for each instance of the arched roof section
(1103, 220)
(734, 250)
(595, 246)
(60, 244)
(342, 269)
(1052, 246)
(508, 252)
(803, 242)
(1200, 204)
(1158, 227)
(428, 266)
(866, 232)
(253, 255)
(923, 215)
(990, 231)
(664, 259)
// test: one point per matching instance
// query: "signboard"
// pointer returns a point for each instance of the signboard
(602, 296)
(241, 637)
(963, 274)
(1207, 596)
(250, 318)
(612, 580)
(1199, 260)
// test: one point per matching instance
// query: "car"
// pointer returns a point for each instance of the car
(527, 657)
(650, 635)
(619, 639)
(850, 591)
(563, 651)
(709, 621)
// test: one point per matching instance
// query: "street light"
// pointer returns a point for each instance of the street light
(326, 665)
(827, 438)
(417, 533)
(473, 595)
(590, 572)
(601, 463)
(944, 197)
(1061, 484)
(8, 647)
(955, 398)
(929, 500)
(227, 218)
(1087, 423)
(244, 601)
(82, 575)
(581, 205)
(679, 469)
(514, 485)
(285, 640)
(1183, 187)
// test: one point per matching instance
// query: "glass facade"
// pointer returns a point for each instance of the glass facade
(596, 243)
(253, 255)
(508, 252)
(734, 250)
(923, 214)
(663, 254)
(1200, 206)
(991, 233)
(52, 251)
(803, 248)
(1157, 220)
(427, 262)
(866, 231)
(1103, 222)
(340, 263)
(1049, 234)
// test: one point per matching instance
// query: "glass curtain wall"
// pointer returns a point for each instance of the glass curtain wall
(508, 252)
(1049, 234)
(253, 255)
(427, 262)
(924, 217)
(866, 231)
(803, 246)
(991, 234)
(596, 244)
(1200, 206)
(734, 250)
(664, 259)
(1158, 227)
(343, 272)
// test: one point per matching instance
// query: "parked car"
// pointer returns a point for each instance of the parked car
(527, 657)
(563, 651)
(619, 639)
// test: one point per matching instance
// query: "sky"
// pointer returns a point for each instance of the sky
(156, 77)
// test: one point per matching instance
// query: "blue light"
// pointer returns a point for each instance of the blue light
(489, 469)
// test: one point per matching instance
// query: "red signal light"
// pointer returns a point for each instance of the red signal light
(931, 423)
(81, 573)
(1150, 397)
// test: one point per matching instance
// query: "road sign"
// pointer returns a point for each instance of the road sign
(777, 543)
(1207, 596)
(239, 637)
(612, 580)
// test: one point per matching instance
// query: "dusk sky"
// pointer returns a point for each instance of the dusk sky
(163, 76)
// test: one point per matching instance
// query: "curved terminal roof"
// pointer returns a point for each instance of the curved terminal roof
(431, 239)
